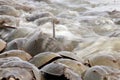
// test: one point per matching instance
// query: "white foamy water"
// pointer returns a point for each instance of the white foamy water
(84, 21)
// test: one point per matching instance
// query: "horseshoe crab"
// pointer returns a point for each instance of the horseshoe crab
(42, 21)
(2, 45)
(5, 31)
(44, 58)
(8, 59)
(16, 53)
(103, 44)
(107, 59)
(78, 67)
(101, 73)
(19, 70)
(8, 10)
(102, 59)
(69, 55)
(58, 71)
(20, 32)
(40, 42)
(37, 15)
(16, 44)
(114, 14)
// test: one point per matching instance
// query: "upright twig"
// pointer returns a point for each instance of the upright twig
(54, 21)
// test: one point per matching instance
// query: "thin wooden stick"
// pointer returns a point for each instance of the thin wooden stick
(4, 26)
(53, 22)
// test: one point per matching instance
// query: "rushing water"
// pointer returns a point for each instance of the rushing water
(89, 29)
(92, 24)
